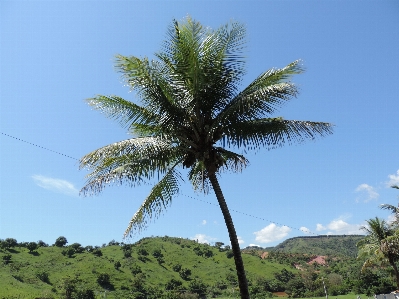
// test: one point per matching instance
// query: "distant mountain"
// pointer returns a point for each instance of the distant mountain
(335, 245)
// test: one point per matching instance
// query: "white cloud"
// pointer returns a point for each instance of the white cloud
(240, 240)
(56, 185)
(304, 229)
(252, 245)
(203, 222)
(271, 233)
(202, 238)
(320, 227)
(340, 226)
(368, 193)
(393, 179)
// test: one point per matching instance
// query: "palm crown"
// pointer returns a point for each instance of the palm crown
(192, 114)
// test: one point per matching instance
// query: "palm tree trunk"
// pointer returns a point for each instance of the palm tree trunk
(242, 280)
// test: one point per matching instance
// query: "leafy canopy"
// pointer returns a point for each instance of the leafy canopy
(192, 114)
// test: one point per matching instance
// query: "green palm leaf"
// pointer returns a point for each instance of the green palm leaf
(156, 202)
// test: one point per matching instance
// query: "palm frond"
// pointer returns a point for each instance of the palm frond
(263, 96)
(132, 161)
(156, 202)
(127, 113)
(154, 88)
(273, 132)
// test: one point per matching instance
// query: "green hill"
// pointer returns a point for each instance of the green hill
(153, 263)
(344, 245)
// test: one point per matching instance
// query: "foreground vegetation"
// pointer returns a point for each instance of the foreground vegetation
(167, 267)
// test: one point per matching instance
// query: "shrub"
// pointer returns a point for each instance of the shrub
(197, 286)
(97, 252)
(41, 243)
(103, 279)
(157, 253)
(69, 252)
(32, 246)
(117, 265)
(229, 254)
(85, 294)
(173, 284)
(176, 268)
(142, 251)
(185, 273)
(127, 253)
(7, 259)
(61, 241)
(135, 269)
(43, 276)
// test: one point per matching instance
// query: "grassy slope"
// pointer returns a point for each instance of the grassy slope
(19, 277)
(322, 245)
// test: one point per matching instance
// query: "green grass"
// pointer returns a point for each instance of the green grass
(19, 277)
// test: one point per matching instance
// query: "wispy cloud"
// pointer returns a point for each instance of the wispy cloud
(202, 238)
(55, 185)
(393, 179)
(367, 193)
(240, 240)
(340, 226)
(203, 222)
(271, 233)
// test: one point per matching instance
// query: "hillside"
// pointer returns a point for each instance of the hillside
(158, 263)
(344, 245)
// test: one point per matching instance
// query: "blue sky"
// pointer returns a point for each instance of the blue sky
(55, 54)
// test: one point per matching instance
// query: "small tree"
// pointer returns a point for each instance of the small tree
(41, 243)
(7, 259)
(185, 273)
(117, 265)
(61, 241)
(10, 243)
(32, 246)
(103, 279)
(43, 276)
(97, 252)
(69, 252)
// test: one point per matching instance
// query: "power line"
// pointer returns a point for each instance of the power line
(249, 215)
(39, 146)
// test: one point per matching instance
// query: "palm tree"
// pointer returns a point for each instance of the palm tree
(379, 246)
(191, 115)
(393, 209)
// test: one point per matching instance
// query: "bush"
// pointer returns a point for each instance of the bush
(61, 241)
(127, 253)
(9, 243)
(85, 294)
(173, 284)
(41, 243)
(32, 246)
(229, 254)
(43, 276)
(185, 273)
(135, 269)
(142, 251)
(69, 252)
(197, 286)
(176, 268)
(7, 259)
(117, 265)
(103, 279)
(97, 252)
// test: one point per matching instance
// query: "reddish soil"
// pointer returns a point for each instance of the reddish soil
(264, 255)
(281, 294)
(320, 259)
